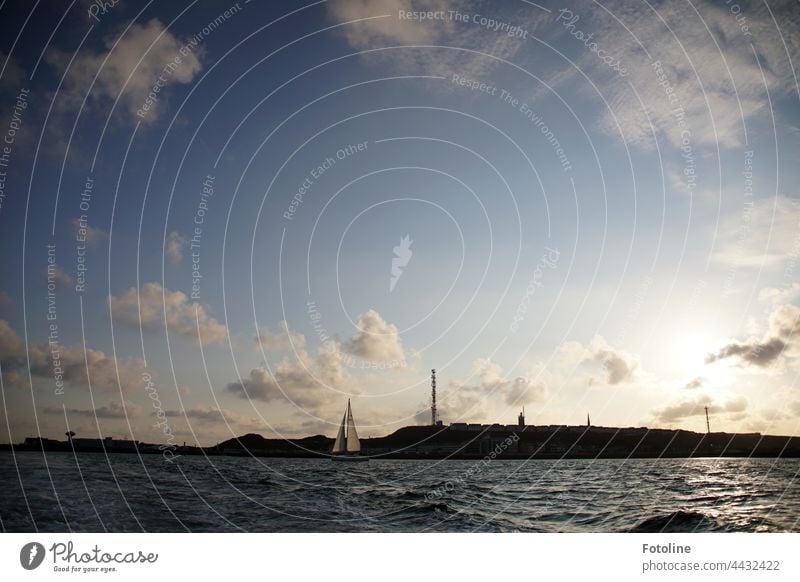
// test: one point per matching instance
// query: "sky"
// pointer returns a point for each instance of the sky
(224, 218)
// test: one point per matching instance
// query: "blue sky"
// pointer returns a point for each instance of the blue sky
(600, 202)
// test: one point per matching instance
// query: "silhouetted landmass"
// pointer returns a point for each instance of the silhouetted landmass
(462, 441)
(545, 442)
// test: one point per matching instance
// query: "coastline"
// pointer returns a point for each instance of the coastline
(462, 442)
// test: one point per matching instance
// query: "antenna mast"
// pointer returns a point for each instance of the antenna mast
(433, 397)
(708, 424)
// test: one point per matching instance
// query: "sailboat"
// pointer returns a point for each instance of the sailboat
(347, 446)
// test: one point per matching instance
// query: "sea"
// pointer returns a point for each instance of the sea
(94, 492)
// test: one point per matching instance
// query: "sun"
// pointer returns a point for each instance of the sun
(685, 353)
(687, 350)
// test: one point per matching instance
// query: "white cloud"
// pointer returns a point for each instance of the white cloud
(286, 339)
(517, 390)
(718, 87)
(155, 304)
(390, 30)
(463, 401)
(57, 275)
(176, 244)
(777, 296)
(133, 65)
(376, 340)
(458, 403)
(697, 407)
(394, 31)
(762, 236)
(88, 233)
(311, 383)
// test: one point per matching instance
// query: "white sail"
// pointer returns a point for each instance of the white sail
(340, 446)
(353, 444)
(347, 443)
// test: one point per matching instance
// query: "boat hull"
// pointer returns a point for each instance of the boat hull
(349, 458)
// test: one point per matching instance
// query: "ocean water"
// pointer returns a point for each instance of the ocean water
(95, 493)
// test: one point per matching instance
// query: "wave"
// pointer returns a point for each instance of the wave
(677, 522)
(393, 493)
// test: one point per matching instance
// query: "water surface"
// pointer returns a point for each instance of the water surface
(119, 492)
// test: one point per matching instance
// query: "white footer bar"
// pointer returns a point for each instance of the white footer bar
(371, 557)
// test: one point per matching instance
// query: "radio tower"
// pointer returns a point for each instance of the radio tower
(708, 424)
(433, 397)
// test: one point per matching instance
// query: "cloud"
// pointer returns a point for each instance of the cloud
(781, 339)
(91, 235)
(463, 400)
(785, 322)
(695, 383)
(128, 70)
(286, 339)
(770, 419)
(523, 391)
(259, 385)
(376, 340)
(210, 414)
(72, 363)
(13, 75)
(113, 410)
(763, 235)
(696, 407)
(16, 104)
(518, 390)
(102, 369)
(10, 343)
(706, 59)
(457, 403)
(756, 353)
(385, 28)
(620, 366)
(776, 296)
(311, 383)
(390, 30)
(157, 304)
(176, 244)
(57, 275)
